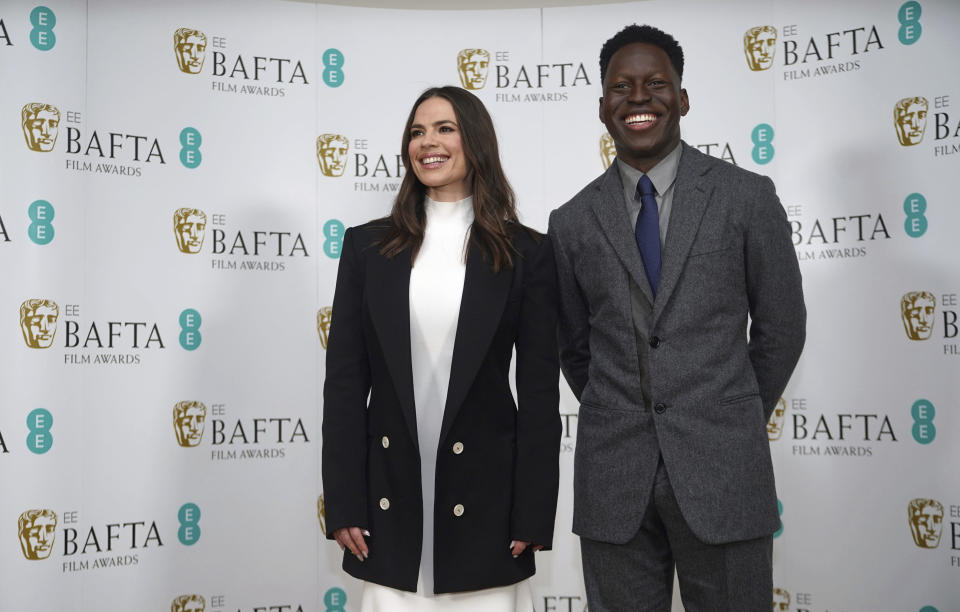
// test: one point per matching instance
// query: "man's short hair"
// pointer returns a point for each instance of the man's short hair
(642, 34)
(31, 110)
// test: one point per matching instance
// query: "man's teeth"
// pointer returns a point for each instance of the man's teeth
(643, 118)
(433, 160)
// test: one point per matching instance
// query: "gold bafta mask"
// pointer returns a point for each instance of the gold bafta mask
(188, 421)
(926, 522)
(332, 154)
(189, 226)
(41, 125)
(190, 47)
(38, 322)
(324, 317)
(472, 66)
(188, 603)
(917, 310)
(910, 120)
(775, 424)
(37, 530)
(322, 514)
(781, 600)
(608, 150)
(760, 45)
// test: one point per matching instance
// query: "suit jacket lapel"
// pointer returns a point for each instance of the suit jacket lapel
(611, 212)
(389, 303)
(690, 200)
(481, 306)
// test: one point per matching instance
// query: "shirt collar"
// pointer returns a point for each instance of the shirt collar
(662, 175)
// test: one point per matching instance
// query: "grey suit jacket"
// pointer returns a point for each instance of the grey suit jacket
(710, 387)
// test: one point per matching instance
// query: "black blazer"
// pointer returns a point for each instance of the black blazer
(497, 469)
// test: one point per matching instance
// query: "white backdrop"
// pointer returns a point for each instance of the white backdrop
(115, 512)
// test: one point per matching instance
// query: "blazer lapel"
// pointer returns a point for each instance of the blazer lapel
(611, 212)
(389, 304)
(690, 200)
(481, 306)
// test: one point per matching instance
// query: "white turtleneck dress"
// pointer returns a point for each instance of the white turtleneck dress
(436, 287)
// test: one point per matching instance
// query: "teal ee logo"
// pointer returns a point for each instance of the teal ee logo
(916, 223)
(39, 422)
(41, 35)
(332, 72)
(190, 337)
(333, 232)
(922, 411)
(189, 517)
(909, 18)
(190, 140)
(762, 138)
(41, 214)
(335, 600)
(779, 532)
(928, 609)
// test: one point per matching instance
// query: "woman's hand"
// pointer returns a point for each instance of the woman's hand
(517, 548)
(352, 538)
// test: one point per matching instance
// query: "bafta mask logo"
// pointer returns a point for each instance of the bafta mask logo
(926, 522)
(322, 514)
(781, 600)
(190, 47)
(189, 225)
(188, 421)
(324, 317)
(917, 309)
(775, 424)
(37, 529)
(38, 322)
(608, 150)
(910, 120)
(188, 603)
(41, 125)
(760, 45)
(332, 154)
(472, 66)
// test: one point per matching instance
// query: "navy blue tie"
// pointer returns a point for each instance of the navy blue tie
(647, 231)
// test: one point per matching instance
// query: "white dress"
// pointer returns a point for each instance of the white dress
(436, 287)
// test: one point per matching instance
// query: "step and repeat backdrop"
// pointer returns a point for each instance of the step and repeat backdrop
(176, 180)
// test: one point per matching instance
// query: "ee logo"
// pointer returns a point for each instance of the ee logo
(189, 517)
(39, 422)
(915, 206)
(41, 35)
(190, 140)
(909, 18)
(41, 214)
(190, 337)
(335, 600)
(332, 72)
(333, 231)
(779, 532)
(762, 137)
(922, 411)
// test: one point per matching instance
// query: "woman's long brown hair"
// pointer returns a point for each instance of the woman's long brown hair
(494, 203)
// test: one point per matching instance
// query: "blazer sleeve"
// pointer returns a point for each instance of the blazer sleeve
(536, 471)
(775, 291)
(345, 390)
(574, 323)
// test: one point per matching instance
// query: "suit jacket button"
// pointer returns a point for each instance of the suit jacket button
(457, 448)
(384, 503)
(458, 510)
(385, 441)
(655, 341)
(660, 408)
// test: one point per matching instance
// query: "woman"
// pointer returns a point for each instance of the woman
(438, 485)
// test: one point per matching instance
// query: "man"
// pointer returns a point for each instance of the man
(41, 125)
(37, 530)
(917, 311)
(673, 465)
